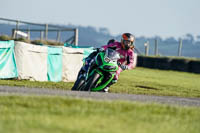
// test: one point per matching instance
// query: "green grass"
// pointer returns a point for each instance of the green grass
(37, 84)
(31, 114)
(137, 81)
(158, 82)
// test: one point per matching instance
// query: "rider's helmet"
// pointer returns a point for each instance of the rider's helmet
(127, 41)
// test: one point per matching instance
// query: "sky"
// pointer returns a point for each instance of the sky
(165, 18)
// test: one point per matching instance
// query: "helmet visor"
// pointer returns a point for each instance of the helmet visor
(127, 43)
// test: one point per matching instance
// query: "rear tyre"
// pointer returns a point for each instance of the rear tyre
(92, 81)
(77, 85)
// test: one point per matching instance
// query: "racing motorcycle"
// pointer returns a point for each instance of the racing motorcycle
(96, 74)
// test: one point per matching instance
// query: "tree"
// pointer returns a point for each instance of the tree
(198, 37)
(198, 40)
(188, 39)
(104, 31)
(170, 40)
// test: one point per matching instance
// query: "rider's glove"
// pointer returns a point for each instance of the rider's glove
(124, 67)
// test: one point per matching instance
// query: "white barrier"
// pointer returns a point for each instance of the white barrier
(72, 62)
(32, 64)
(31, 61)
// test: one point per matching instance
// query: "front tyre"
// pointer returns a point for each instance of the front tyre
(92, 81)
(77, 85)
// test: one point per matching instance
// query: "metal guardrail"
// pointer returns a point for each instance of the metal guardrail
(46, 30)
(70, 40)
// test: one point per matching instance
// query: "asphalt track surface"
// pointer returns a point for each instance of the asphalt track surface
(169, 100)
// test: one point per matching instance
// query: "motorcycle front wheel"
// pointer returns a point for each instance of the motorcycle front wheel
(92, 81)
(77, 85)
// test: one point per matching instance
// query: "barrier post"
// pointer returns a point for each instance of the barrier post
(76, 37)
(156, 47)
(58, 36)
(46, 31)
(180, 47)
(41, 35)
(29, 34)
(146, 44)
(17, 27)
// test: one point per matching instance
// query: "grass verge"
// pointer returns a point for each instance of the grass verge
(158, 82)
(137, 81)
(60, 114)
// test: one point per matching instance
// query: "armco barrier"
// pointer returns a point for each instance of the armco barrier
(167, 63)
(163, 63)
(180, 64)
(151, 62)
(194, 66)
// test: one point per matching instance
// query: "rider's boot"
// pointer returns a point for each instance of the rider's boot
(106, 90)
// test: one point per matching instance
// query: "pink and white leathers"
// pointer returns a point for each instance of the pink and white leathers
(126, 57)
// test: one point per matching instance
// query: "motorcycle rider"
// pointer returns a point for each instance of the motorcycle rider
(125, 49)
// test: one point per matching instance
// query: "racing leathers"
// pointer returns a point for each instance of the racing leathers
(126, 57)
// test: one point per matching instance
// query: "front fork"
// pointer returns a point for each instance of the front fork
(85, 69)
(104, 85)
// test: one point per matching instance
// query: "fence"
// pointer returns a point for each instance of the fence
(71, 40)
(54, 28)
(156, 51)
(160, 48)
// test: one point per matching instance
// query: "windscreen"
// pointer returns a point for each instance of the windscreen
(112, 54)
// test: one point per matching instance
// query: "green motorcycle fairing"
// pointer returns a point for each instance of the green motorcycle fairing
(106, 66)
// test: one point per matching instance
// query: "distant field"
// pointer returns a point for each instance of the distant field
(137, 81)
(35, 114)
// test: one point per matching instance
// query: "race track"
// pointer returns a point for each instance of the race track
(170, 100)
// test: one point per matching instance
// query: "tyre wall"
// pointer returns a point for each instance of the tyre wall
(169, 63)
